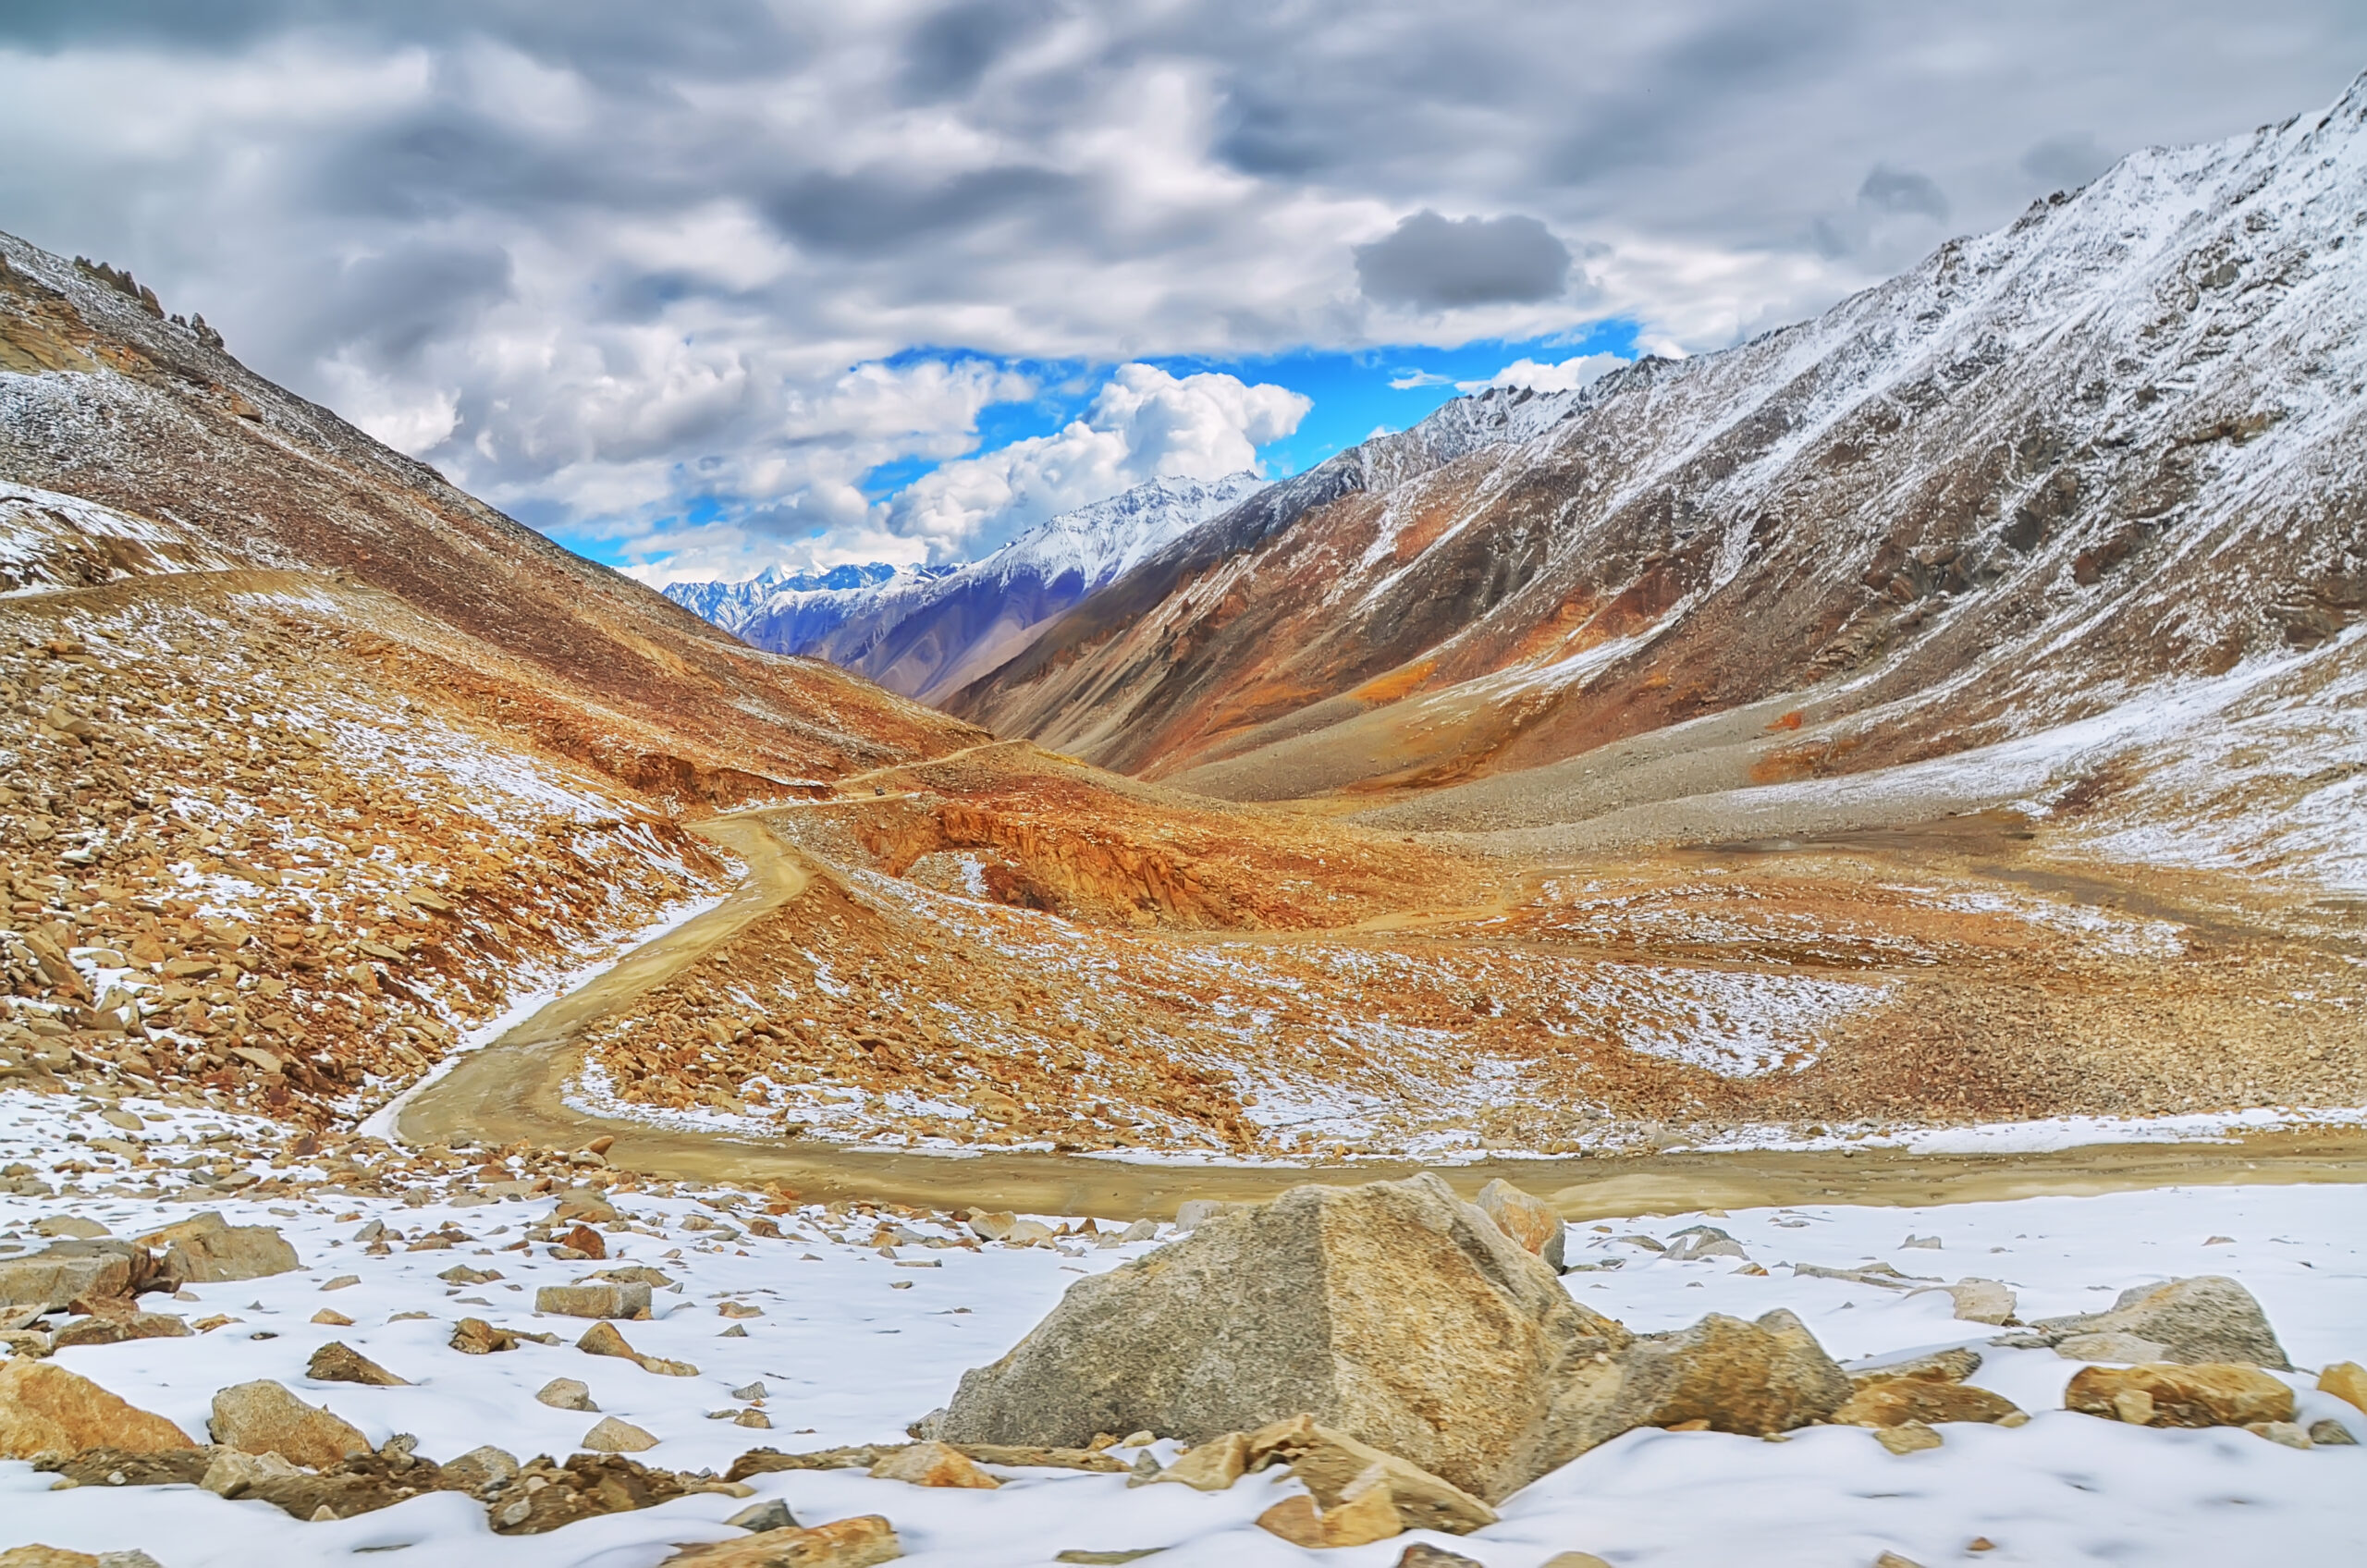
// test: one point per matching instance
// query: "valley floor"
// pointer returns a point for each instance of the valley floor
(851, 1340)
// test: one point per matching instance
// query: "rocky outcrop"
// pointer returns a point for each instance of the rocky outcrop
(44, 1408)
(66, 1272)
(2207, 1319)
(1394, 1313)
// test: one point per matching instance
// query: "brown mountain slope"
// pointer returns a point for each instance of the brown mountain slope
(2106, 454)
(109, 401)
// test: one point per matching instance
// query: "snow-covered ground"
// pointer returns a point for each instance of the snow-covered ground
(851, 1344)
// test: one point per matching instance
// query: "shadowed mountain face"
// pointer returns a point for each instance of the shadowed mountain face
(929, 631)
(2056, 473)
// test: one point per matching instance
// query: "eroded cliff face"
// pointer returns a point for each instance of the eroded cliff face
(2113, 448)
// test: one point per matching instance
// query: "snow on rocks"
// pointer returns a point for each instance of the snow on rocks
(845, 1362)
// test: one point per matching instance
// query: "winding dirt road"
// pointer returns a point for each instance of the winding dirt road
(514, 1091)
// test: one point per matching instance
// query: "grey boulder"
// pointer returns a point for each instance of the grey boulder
(2207, 1319)
(1394, 1312)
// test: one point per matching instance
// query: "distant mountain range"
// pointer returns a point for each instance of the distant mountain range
(928, 631)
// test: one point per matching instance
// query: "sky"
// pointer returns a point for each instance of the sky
(720, 285)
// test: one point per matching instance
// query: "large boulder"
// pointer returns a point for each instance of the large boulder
(1394, 1312)
(205, 1249)
(44, 1408)
(263, 1418)
(2208, 1318)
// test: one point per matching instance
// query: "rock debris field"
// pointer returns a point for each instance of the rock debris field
(304, 1368)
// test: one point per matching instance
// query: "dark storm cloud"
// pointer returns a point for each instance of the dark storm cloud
(1903, 191)
(601, 256)
(870, 213)
(394, 304)
(1434, 263)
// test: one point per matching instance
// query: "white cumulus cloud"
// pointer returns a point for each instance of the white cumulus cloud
(1144, 423)
(1567, 377)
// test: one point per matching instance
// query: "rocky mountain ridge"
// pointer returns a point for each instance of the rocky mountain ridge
(2056, 473)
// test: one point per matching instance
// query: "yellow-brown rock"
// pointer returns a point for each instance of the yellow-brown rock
(933, 1465)
(1898, 1400)
(45, 1407)
(2345, 1380)
(859, 1542)
(1370, 1516)
(2165, 1393)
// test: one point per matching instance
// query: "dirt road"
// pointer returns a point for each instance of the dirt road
(513, 1090)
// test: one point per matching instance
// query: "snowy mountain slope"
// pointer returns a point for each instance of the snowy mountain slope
(926, 630)
(2120, 441)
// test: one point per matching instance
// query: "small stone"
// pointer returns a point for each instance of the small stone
(2221, 1395)
(474, 1336)
(233, 1474)
(1928, 1242)
(1980, 1301)
(480, 1472)
(1423, 1555)
(1952, 1366)
(342, 1282)
(1211, 1466)
(745, 1309)
(932, 1464)
(1912, 1436)
(2289, 1433)
(1193, 1213)
(2330, 1433)
(1372, 1516)
(1140, 1230)
(758, 1517)
(586, 1241)
(755, 1419)
(992, 1227)
(2346, 1380)
(1892, 1559)
(1573, 1560)
(566, 1393)
(339, 1363)
(332, 1319)
(461, 1274)
(612, 1436)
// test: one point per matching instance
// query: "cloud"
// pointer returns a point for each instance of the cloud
(609, 266)
(1407, 380)
(1567, 377)
(1433, 264)
(2066, 162)
(1903, 190)
(1144, 423)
